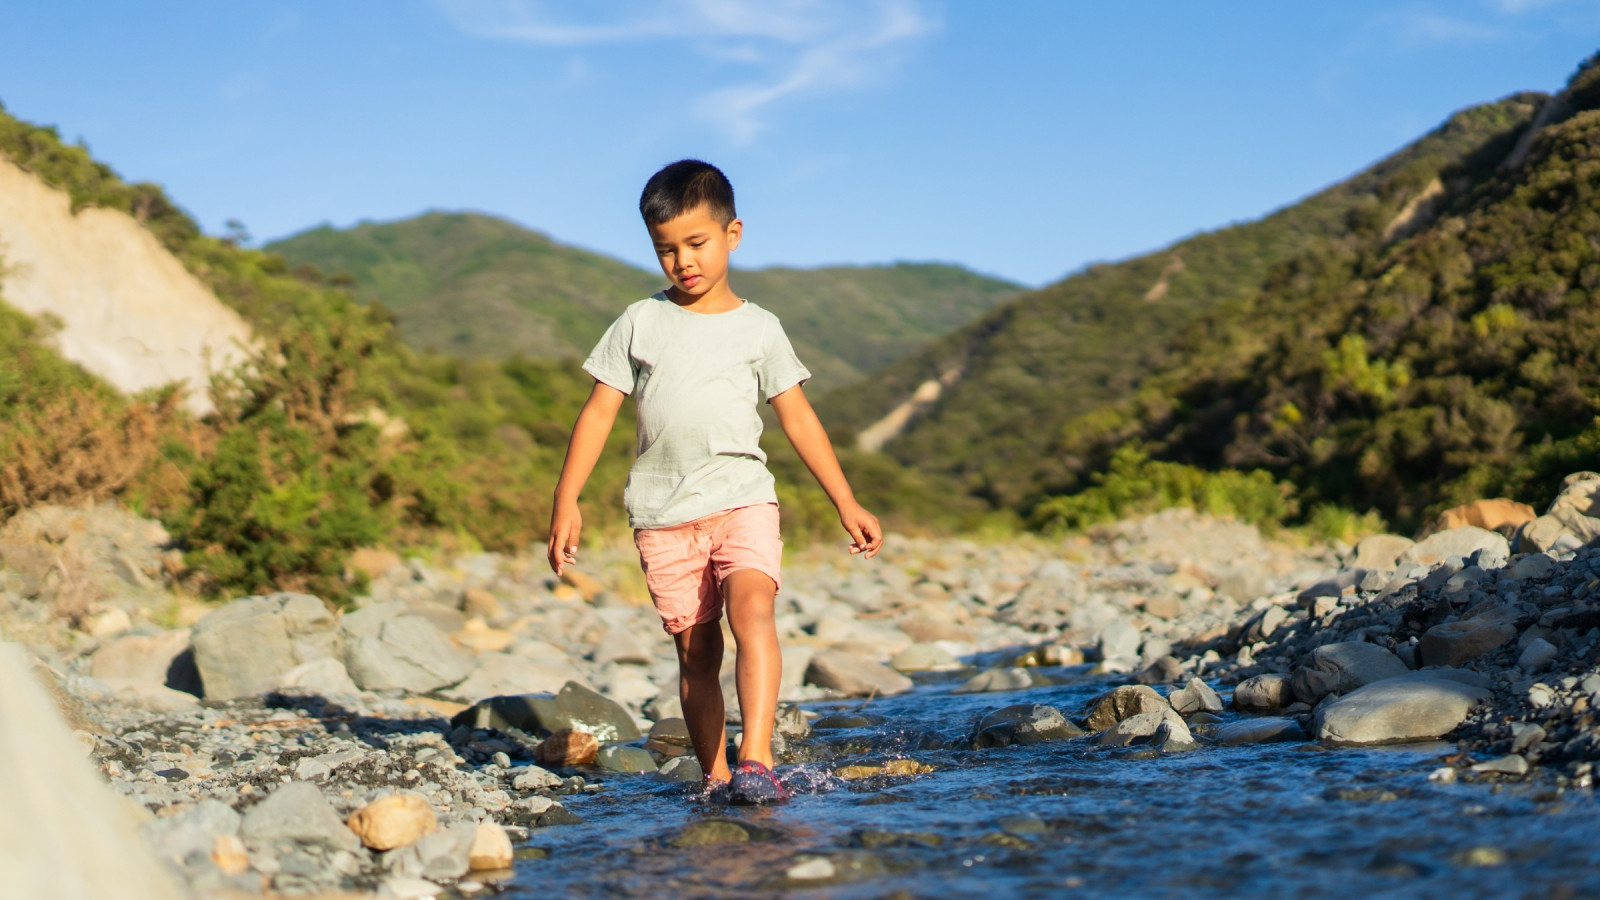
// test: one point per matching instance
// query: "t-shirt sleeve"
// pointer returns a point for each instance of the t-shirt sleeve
(779, 369)
(611, 362)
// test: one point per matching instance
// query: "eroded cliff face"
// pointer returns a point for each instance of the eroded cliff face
(129, 311)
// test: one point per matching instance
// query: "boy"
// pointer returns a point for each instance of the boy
(697, 359)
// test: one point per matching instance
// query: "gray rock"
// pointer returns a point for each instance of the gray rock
(575, 707)
(1195, 697)
(1413, 707)
(156, 659)
(1525, 735)
(1012, 679)
(1454, 643)
(1145, 726)
(1162, 670)
(1512, 764)
(532, 778)
(624, 645)
(242, 648)
(685, 769)
(1465, 542)
(1381, 551)
(1334, 586)
(1343, 667)
(500, 674)
(442, 855)
(854, 676)
(1263, 693)
(1119, 640)
(1023, 724)
(1536, 655)
(297, 812)
(1532, 565)
(1262, 625)
(622, 758)
(407, 653)
(325, 677)
(1259, 731)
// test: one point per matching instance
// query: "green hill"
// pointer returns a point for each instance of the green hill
(1404, 372)
(475, 285)
(1018, 376)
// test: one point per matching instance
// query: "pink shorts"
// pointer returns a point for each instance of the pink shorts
(685, 565)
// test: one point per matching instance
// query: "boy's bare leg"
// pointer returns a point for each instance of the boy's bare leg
(699, 665)
(750, 595)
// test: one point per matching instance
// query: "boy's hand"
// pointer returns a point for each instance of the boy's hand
(566, 525)
(865, 532)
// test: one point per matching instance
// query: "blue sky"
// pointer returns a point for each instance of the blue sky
(1022, 138)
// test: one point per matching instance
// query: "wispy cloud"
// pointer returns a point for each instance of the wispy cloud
(780, 49)
(1437, 28)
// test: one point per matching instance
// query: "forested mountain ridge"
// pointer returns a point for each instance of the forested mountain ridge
(476, 285)
(1019, 375)
(1408, 372)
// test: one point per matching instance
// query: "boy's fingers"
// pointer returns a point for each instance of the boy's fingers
(859, 541)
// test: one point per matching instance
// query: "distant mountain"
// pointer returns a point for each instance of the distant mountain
(479, 286)
(996, 403)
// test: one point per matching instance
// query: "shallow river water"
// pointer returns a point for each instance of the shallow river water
(1293, 819)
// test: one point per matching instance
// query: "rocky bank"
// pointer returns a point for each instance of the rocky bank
(408, 745)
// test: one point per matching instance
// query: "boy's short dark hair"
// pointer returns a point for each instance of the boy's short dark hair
(684, 185)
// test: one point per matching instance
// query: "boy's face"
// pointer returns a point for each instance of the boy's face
(693, 251)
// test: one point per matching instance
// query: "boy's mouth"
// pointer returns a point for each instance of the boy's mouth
(689, 281)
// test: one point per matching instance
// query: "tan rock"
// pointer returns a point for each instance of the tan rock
(110, 623)
(1124, 702)
(398, 820)
(481, 603)
(896, 768)
(587, 586)
(567, 748)
(372, 561)
(230, 855)
(491, 848)
(142, 658)
(1501, 514)
(477, 636)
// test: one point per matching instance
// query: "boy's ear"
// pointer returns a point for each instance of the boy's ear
(735, 231)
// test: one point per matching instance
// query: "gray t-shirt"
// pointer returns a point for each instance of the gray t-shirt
(696, 380)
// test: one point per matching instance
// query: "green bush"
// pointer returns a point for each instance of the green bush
(1134, 484)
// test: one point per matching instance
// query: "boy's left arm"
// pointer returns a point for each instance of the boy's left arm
(799, 422)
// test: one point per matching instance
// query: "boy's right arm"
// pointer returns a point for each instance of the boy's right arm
(583, 451)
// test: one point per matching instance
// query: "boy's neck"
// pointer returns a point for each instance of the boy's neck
(719, 299)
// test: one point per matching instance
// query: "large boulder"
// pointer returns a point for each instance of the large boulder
(575, 707)
(500, 674)
(1025, 723)
(1380, 551)
(162, 659)
(244, 647)
(1341, 668)
(1267, 729)
(1454, 643)
(853, 675)
(1413, 707)
(1471, 543)
(390, 649)
(1263, 693)
(1194, 697)
(1123, 702)
(1149, 726)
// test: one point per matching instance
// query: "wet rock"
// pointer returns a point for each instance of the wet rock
(1464, 543)
(622, 758)
(1259, 731)
(491, 848)
(575, 707)
(1119, 703)
(1196, 696)
(817, 868)
(1511, 764)
(567, 748)
(894, 768)
(854, 676)
(925, 657)
(791, 721)
(297, 812)
(1343, 667)
(1454, 643)
(1412, 707)
(669, 737)
(684, 769)
(1023, 724)
(1263, 693)
(388, 650)
(398, 820)
(838, 721)
(1146, 726)
(709, 832)
(1013, 679)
